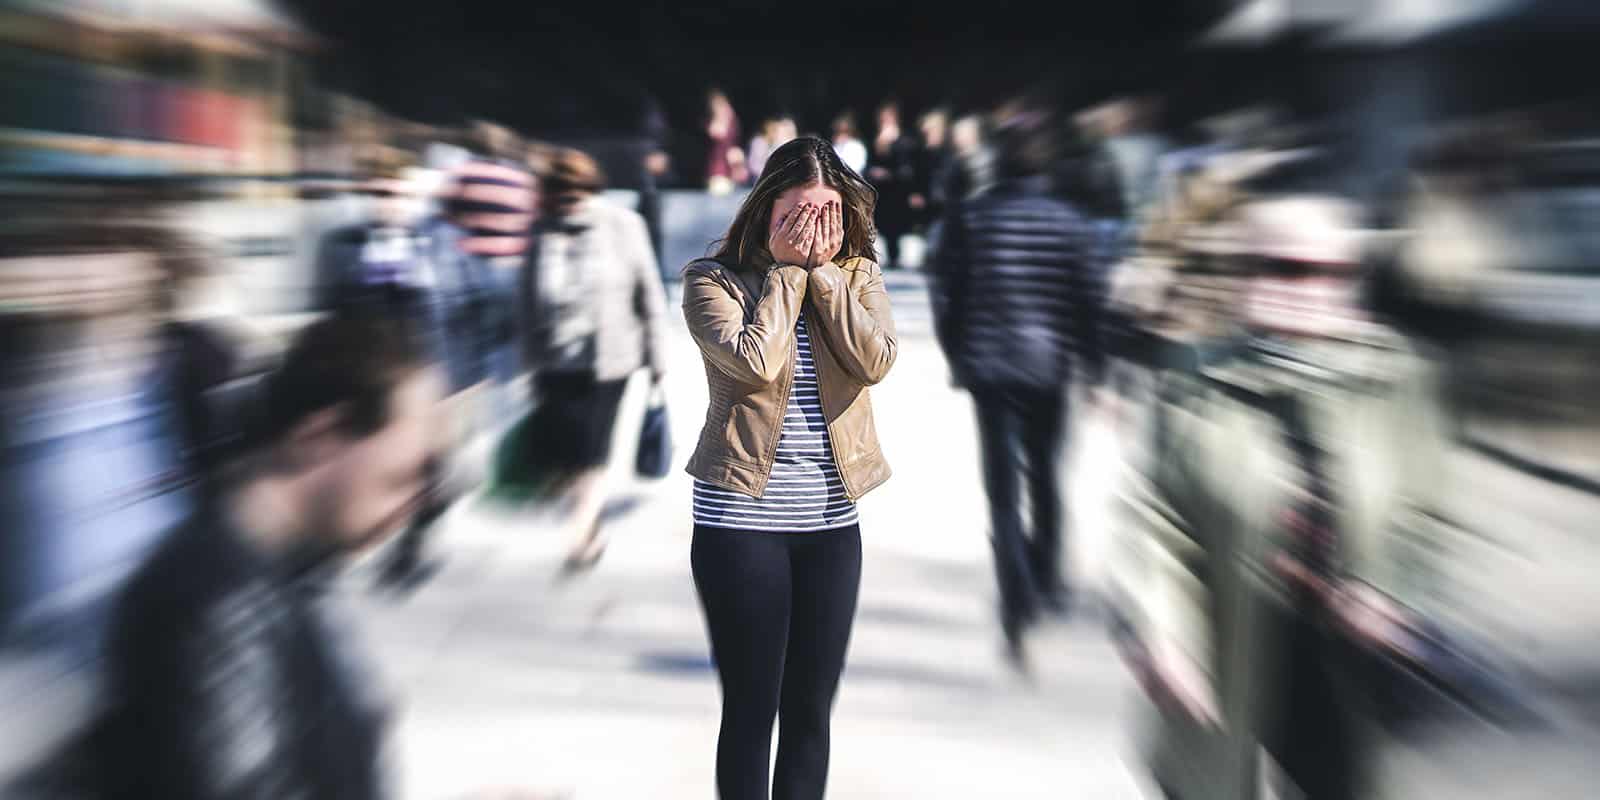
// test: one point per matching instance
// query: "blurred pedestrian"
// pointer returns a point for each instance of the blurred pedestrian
(725, 163)
(385, 268)
(791, 318)
(474, 314)
(654, 164)
(495, 199)
(1017, 301)
(224, 679)
(934, 159)
(596, 311)
(775, 132)
(972, 169)
(847, 144)
(892, 168)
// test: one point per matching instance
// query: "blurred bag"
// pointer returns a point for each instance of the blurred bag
(525, 466)
(654, 457)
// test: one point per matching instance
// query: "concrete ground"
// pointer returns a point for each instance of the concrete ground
(601, 687)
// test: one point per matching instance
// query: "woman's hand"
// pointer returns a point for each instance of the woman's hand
(791, 243)
(829, 238)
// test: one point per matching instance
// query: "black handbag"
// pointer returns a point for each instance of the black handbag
(654, 458)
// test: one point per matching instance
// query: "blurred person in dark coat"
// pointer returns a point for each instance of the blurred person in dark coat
(1018, 304)
(934, 160)
(224, 679)
(892, 168)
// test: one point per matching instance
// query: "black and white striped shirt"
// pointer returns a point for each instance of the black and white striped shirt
(805, 492)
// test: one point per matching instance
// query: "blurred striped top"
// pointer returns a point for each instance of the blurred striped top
(805, 493)
(494, 202)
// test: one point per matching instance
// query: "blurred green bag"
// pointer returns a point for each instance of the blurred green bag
(526, 468)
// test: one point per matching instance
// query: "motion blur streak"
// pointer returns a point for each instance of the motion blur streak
(1242, 419)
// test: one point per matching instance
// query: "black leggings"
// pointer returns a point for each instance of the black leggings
(779, 608)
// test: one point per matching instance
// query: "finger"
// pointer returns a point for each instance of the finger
(801, 217)
(808, 223)
(796, 214)
(838, 220)
(799, 228)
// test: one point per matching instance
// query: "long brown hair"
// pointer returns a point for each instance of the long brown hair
(801, 162)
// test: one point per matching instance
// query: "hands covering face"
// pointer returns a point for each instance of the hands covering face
(808, 236)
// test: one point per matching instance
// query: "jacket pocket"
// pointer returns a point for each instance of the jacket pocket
(742, 432)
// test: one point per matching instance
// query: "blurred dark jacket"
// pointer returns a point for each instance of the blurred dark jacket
(1017, 295)
(225, 681)
(196, 357)
(898, 179)
(352, 282)
(476, 312)
(932, 179)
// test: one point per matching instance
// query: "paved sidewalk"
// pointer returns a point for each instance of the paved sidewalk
(601, 686)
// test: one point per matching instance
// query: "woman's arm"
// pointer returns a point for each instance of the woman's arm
(857, 323)
(755, 352)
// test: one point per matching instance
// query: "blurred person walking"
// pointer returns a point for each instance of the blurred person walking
(224, 677)
(1017, 301)
(793, 325)
(495, 200)
(848, 145)
(476, 316)
(386, 268)
(934, 159)
(725, 164)
(892, 168)
(596, 310)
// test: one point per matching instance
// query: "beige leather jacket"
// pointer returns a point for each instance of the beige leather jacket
(744, 320)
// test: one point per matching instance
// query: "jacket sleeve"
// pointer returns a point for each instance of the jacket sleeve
(650, 297)
(753, 352)
(857, 324)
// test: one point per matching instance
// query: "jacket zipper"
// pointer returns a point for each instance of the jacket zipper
(822, 395)
(783, 410)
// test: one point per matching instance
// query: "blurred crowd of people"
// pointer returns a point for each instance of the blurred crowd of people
(262, 461)
(1358, 474)
(916, 171)
(1325, 386)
